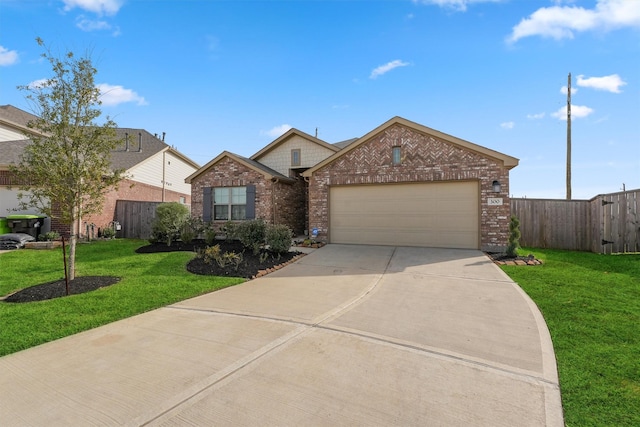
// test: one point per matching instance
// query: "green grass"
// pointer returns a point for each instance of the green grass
(591, 304)
(148, 281)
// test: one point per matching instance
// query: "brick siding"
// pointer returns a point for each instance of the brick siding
(425, 158)
(276, 202)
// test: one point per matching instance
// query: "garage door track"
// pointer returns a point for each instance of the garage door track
(348, 335)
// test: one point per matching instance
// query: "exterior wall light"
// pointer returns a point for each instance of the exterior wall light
(496, 186)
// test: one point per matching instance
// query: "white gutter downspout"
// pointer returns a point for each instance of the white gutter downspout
(164, 162)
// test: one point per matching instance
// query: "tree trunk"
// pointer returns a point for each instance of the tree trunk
(72, 251)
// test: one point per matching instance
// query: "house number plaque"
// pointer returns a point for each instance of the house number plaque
(494, 201)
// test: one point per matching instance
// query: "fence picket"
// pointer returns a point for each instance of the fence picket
(608, 223)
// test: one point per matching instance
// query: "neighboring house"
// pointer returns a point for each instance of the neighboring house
(401, 184)
(155, 171)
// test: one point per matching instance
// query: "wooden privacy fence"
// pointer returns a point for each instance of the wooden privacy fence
(607, 223)
(135, 218)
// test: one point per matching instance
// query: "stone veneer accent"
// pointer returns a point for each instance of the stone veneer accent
(425, 158)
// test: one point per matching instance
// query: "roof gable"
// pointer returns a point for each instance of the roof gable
(508, 161)
(289, 134)
(267, 172)
(17, 120)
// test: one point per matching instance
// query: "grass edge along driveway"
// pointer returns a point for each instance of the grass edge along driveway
(149, 281)
(591, 304)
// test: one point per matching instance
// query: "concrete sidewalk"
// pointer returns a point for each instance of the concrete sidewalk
(348, 335)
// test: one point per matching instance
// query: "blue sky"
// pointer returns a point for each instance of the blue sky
(233, 75)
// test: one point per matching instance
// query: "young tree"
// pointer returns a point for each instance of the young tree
(65, 170)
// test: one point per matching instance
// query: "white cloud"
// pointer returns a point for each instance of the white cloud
(536, 116)
(113, 95)
(100, 7)
(38, 84)
(276, 131)
(383, 69)
(577, 112)
(7, 57)
(507, 125)
(561, 22)
(610, 83)
(564, 90)
(86, 24)
(458, 5)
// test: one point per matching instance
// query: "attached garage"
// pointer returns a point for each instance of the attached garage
(434, 214)
(404, 184)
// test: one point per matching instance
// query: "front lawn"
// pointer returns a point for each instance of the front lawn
(591, 304)
(148, 281)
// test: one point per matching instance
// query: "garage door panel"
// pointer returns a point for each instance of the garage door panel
(424, 214)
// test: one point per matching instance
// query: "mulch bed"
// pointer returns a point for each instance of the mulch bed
(251, 266)
(504, 259)
(58, 288)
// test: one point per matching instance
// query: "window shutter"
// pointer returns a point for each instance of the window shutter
(206, 204)
(250, 210)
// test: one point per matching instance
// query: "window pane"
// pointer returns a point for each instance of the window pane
(238, 212)
(221, 195)
(221, 212)
(396, 155)
(295, 157)
(239, 195)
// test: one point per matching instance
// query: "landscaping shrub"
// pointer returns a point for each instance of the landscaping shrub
(191, 229)
(214, 253)
(514, 237)
(278, 238)
(49, 236)
(230, 230)
(109, 233)
(170, 218)
(210, 234)
(252, 234)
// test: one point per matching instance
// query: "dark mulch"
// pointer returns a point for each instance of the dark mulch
(503, 257)
(58, 288)
(250, 266)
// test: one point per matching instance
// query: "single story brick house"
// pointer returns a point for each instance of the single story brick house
(401, 184)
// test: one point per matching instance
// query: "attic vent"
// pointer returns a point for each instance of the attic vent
(140, 142)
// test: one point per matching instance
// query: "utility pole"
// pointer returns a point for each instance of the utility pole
(569, 137)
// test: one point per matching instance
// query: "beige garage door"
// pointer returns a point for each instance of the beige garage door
(443, 215)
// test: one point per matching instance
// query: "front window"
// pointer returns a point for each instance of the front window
(229, 203)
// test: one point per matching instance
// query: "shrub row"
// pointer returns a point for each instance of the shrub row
(173, 222)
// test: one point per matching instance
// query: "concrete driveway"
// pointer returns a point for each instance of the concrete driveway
(348, 335)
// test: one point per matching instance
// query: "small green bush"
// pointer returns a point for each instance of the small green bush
(191, 229)
(210, 234)
(514, 237)
(230, 230)
(49, 236)
(252, 234)
(213, 253)
(170, 218)
(278, 238)
(109, 233)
